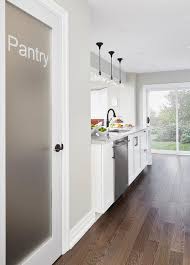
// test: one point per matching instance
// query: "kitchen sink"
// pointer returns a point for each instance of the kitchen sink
(119, 131)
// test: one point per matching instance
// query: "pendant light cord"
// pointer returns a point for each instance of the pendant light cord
(120, 60)
(100, 72)
(111, 70)
(111, 53)
(120, 73)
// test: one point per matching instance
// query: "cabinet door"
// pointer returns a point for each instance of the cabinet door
(130, 159)
(96, 173)
(137, 155)
(107, 176)
(143, 142)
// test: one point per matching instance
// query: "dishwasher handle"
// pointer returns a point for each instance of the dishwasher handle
(123, 142)
(119, 144)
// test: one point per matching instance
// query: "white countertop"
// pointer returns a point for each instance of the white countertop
(113, 136)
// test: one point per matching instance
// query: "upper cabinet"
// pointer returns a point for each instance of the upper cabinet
(99, 103)
(127, 99)
(119, 97)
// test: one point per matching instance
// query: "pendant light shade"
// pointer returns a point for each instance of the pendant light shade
(99, 44)
(120, 60)
(111, 53)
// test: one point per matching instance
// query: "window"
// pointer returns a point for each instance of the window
(169, 112)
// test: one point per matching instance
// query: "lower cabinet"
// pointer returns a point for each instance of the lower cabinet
(102, 176)
(102, 166)
(137, 154)
(131, 171)
(144, 148)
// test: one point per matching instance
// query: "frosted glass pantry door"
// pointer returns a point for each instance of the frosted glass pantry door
(30, 155)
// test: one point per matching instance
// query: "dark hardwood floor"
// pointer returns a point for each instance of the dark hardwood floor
(149, 225)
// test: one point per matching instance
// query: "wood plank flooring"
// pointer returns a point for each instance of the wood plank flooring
(149, 225)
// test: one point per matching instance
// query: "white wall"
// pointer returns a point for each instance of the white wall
(79, 108)
(156, 78)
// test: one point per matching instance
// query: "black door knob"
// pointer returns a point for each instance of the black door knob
(58, 147)
(148, 120)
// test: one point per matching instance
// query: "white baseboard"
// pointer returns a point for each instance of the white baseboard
(81, 228)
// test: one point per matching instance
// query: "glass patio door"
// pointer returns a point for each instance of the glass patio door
(162, 113)
(169, 112)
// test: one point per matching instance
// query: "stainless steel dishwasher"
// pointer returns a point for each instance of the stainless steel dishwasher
(121, 166)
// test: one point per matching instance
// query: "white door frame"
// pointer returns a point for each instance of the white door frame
(159, 87)
(63, 41)
(2, 138)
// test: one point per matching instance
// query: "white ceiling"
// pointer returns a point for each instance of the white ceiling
(151, 35)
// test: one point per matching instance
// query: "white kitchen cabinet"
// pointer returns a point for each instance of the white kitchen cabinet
(103, 183)
(144, 148)
(131, 175)
(137, 154)
(102, 176)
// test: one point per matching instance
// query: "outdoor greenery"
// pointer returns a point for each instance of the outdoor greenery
(171, 146)
(164, 123)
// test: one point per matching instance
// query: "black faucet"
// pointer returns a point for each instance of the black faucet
(114, 115)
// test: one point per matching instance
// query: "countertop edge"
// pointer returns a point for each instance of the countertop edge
(115, 136)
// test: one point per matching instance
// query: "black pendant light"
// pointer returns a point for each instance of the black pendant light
(111, 53)
(99, 44)
(120, 60)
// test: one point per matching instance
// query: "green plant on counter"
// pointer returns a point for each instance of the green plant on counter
(102, 129)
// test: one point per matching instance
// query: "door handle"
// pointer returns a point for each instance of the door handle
(113, 153)
(58, 147)
(136, 141)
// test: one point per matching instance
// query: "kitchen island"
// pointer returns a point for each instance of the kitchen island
(103, 163)
(113, 136)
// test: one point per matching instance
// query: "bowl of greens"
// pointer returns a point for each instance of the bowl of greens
(102, 131)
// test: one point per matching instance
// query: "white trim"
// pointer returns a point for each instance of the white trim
(2, 138)
(65, 136)
(170, 152)
(81, 228)
(183, 153)
(167, 86)
(51, 4)
(164, 152)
